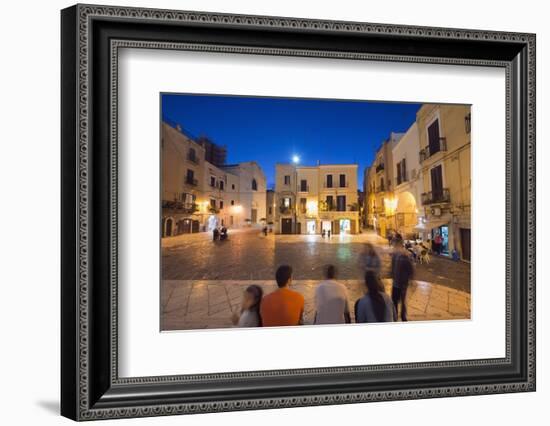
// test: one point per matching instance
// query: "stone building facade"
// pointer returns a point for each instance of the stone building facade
(408, 183)
(313, 199)
(380, 197)
(198, 196)
(445, 162)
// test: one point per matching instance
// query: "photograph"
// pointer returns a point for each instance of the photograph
(280, 212)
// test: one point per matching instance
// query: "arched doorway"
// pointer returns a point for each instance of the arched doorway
(406, 213)
(168, 225)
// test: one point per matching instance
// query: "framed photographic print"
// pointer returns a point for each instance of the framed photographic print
(263, 212)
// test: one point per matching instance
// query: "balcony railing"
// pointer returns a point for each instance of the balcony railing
(427, 152)
(303, 188)
(285, 210)
(380, 188)
(218, 185)
(336, 185)
(190, 181)
(403, 179)
(433, 197)
(180, 207)
(193, 158)
(379, 167)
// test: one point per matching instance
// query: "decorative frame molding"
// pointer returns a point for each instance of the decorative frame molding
(91, 388)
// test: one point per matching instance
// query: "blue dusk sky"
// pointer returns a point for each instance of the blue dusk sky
(272, 130)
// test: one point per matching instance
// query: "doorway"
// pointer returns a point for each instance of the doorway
(345, 226)
(211, 223)
(310, 227)
(286, 226)
(465, 243)
(168, 227)
(444, 232)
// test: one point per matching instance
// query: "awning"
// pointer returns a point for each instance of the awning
(428, 226)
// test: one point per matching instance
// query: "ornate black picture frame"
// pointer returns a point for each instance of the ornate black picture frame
(91, 37)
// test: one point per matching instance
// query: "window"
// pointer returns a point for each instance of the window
(212, 203)
(433, 137)
(381, 184)
(303, 185)
(341, 203)
(192, 155)
(222, 184)
(330, 202)
(212, 181)
(286, 202)
(254, 185)
(221, 205)
(303, 202)
(232, 186)
(190, 178)
(232, 202)
(342, 181)
(287, 179)
(329, 181)
(437, 182)
(270, 210)
(401, 171)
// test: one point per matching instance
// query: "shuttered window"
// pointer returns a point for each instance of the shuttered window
(433, 137)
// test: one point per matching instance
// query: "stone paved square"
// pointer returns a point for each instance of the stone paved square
(203, 281)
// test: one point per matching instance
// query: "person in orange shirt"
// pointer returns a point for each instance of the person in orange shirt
(283, 306)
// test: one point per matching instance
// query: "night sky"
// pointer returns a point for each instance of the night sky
(272, 130)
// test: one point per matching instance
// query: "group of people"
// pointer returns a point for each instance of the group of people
(219, 234)
(285, 307)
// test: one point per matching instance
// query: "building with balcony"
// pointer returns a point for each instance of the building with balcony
(408, 186)
(271, 205)
(313, 199)
(379, 192)
(444, 159)
(198, 195)
(368, 197)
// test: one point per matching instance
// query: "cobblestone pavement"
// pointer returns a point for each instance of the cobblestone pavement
(204, 304)
(203, 281)
(248, 255)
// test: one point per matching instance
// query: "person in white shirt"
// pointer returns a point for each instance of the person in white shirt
(331, 300)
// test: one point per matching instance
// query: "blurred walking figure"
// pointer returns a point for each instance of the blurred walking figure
(375, 305)
(283, 306)
(372, 260)
(389, 236)
(331, 300)
(402, 271)
(250, 308)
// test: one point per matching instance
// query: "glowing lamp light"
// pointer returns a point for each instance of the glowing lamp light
(391, 204)
(312, 207)
(295, 159)
(237, 209)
